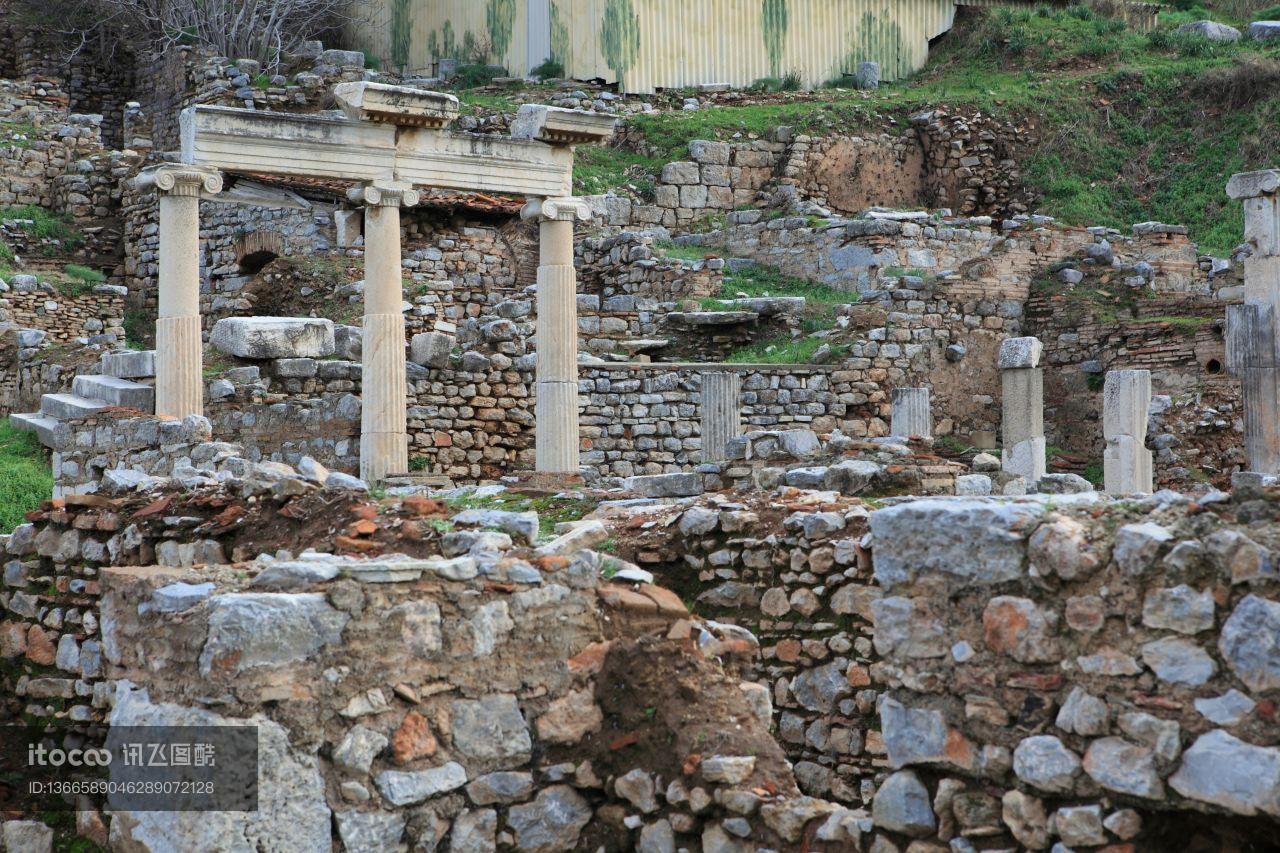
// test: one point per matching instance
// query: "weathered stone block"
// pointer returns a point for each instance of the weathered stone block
(273, 337)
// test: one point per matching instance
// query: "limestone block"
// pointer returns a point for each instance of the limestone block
(431, 349)
(349, 225)
(273, 337)
(1020, 353)
(1265, 31)
(1210, 30)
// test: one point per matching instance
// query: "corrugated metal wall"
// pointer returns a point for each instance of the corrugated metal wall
(447, 29)
(650, 44)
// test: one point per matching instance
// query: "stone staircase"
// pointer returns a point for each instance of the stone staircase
(120, 382)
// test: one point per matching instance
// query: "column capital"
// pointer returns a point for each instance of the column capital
(384, 194)
(566, 209)
(180, 179)
(1244, 185)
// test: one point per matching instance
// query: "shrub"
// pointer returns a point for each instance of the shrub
(1243, 84)
(473, 76)
(551, 68)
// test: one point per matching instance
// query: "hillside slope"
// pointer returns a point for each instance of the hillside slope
(1120, 127)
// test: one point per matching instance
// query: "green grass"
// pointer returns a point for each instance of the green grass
(551, 510)
(79, 280)
(598, 170)
(25, 477)
(782, 351)
(768, 281)
(46, 225)
(471, 102)
(11, 129)
(139, 326)
(682, 252)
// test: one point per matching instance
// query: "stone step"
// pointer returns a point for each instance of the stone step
(116, 392)
(67, 407)
(130, 364)
(42, 425)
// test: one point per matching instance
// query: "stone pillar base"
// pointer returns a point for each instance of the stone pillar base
(383, 454)
(384, 442)
(556, 438)
(179, 377)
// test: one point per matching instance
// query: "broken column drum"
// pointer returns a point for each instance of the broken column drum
(1022, 425)
(721, 414)
(1127, 463)
(912, 415)
(1251, 327)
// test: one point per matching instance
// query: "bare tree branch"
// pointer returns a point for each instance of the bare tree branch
(240, 29)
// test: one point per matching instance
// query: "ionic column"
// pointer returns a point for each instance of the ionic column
(179, 368)
(1022, 418)
(1251, 328)
(1127, 464)
(384, 435)
(556, 408)
(912, 415)
(721, 414)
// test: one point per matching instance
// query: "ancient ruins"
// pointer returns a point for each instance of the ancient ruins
(817, 495)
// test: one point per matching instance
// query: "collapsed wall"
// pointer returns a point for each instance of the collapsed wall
(465, 692)
(1007, 672)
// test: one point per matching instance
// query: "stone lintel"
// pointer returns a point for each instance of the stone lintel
(1253, 184)
(179, 179)
(561, 126)
(403, 106)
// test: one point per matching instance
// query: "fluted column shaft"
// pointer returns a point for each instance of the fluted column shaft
(912, 414)
(384, 435)
(556, 410)
(1253, 351)
(179, 369)
(721, 414)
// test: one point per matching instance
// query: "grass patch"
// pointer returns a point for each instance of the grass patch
(472, 102)
(597, 170)
(139, 326)
(17, 135)
(1122, 126)
(25, 477)
(45, 225)
(682, 252)
(550, 509)
(783, 351)
(78, 280)
(767, 281)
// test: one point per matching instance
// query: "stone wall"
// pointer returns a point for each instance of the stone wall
(416, 697)
(64, 317)
(184, 77)
(1104, 668)
(1179, 338)
(473, 420)
(964, 163)
(297, 227)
